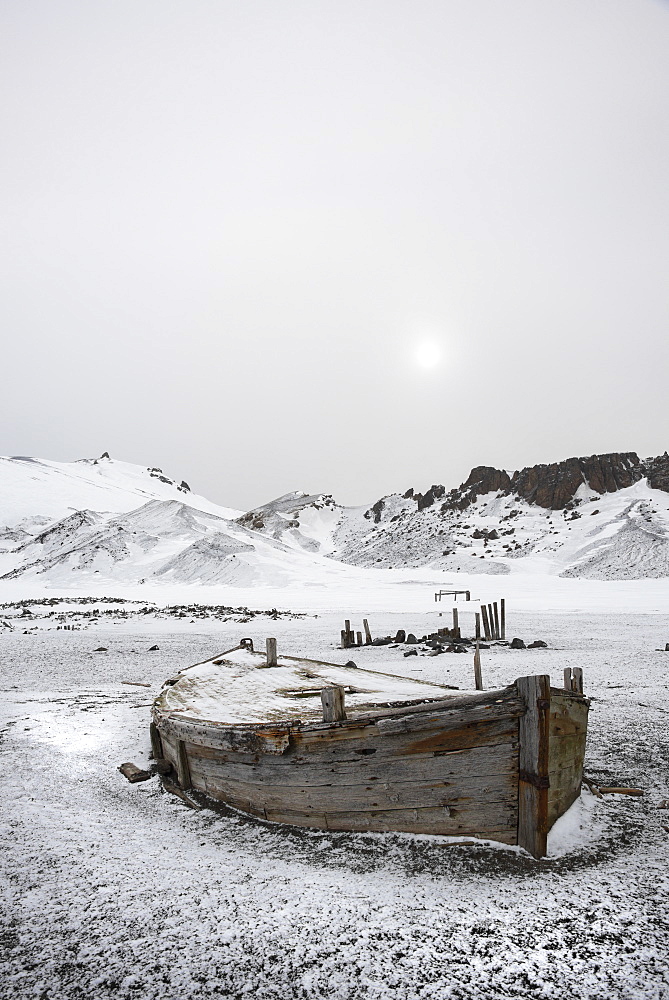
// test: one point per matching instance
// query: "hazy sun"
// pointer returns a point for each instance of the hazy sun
(428, 355)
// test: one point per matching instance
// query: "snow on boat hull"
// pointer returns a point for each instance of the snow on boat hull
(500, 765)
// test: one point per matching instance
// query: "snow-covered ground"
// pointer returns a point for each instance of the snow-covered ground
(114, 890)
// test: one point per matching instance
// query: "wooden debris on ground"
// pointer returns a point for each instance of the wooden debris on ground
(173, 789)
(139, 684)
(134, 773)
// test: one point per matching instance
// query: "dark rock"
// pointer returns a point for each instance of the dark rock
(153, 648)
(657, 470)
(411, 638)
(411, 652)
(375, 510)
(401, 635)
(538, 644)
(517, 644)
(100, 649)
(409, 494)
(105, 454)
(384, 641)
(351, 664)
(554, 486)
(425, 500)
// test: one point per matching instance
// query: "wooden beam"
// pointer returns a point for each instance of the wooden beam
(478, 680)
(271, 653)
(577, 683)
(492, 622)
(333, 703)
(183, 769)
(533, 764)
(456, 626)
(502, 618)
(486, 625)
(477, 625)
(496, 614)
(359, 638)
(156, 742)
(566, 673)
(368, 634)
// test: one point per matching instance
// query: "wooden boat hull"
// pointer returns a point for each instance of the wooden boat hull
(498, 766)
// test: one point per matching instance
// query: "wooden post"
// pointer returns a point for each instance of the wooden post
(368, 634)
(577, 682)
(477, 626)
(468, 595)
(533, 764)
(359, 638)
(456, 626)
(333, 703)
(344, 639)
(502, 618)
(478, 679)
(183, 770)
(492, 622)
(156, 742)
(566, 673)
(496, 613)
(486, 626)
(271, 652)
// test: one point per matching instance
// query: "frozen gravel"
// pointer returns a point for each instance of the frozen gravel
(112, 890)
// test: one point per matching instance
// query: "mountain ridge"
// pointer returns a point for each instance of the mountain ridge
(599, 516)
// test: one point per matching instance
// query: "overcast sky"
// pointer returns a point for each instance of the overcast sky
(336, 246)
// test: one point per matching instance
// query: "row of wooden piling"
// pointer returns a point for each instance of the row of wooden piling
(494, 621)
(349, 638)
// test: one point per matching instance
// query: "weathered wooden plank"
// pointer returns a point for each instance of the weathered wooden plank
(303, 745)
(495, 610)
(445, 821)
(533, 765)
(271, 652)
(183, 769)
(567, 716)
(461, 765)
(268, 739)
(156, 744)
(502, 618)
(488, 795)
(333, 702)
(478, 679)
(451, 718)
(563, 751)
(486, 624)
(368, 634)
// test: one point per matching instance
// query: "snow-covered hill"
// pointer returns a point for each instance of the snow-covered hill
(604, 517)
(63, 524)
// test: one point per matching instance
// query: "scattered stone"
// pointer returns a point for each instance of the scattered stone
(351, 664)
(411, 652)
(382, 641)
(517, 644)
(411, 638)
(538, 644)
(401, 635)
(152, 649)
(100, 649)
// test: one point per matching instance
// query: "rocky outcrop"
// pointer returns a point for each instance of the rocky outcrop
(657, 470)
(554, 486)
(482, 479)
